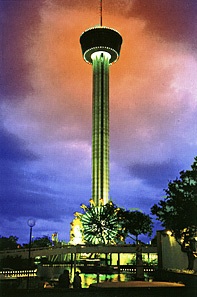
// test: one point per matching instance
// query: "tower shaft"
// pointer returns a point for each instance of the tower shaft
(100, 128)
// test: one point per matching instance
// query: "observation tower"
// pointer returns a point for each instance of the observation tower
(100, 48)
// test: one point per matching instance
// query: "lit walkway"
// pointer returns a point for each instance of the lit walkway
(136, 284)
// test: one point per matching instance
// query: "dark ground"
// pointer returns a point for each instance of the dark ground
(189, 290)
(107, 292)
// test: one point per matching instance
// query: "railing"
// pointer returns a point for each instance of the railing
(22, 250)
(66, 249)
(17, 273)
(131, 268)
(33, 273)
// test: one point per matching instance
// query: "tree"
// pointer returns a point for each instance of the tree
(44, 241)
(8, 243)
(137, 223)
(178, 211)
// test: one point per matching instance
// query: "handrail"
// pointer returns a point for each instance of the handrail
(18, 273)
(71, 246)
(68, 248)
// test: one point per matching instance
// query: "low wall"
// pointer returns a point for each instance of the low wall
(170, 254)
(189, 280)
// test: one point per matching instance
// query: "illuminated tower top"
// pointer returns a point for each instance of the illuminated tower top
(101, 39)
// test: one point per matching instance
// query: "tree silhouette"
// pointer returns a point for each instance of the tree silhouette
(178, 211)
(9, 243)
(137, 223)
(43, 241)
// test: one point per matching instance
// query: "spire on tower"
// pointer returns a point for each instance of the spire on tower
(101, 13)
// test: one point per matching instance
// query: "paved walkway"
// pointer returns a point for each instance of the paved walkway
(135, 284)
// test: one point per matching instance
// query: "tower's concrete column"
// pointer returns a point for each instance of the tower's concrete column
(100, 127)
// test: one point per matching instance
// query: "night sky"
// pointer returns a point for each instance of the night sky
(46, 103)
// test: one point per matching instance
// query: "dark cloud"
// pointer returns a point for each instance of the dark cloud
(156, 175)
(18, 20)
(173, 20)
(14, 182)
(26, 195)
(13, 149)
(23, 203)
(25, 192)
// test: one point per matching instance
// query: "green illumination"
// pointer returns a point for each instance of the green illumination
(100, 130)
(100, 224)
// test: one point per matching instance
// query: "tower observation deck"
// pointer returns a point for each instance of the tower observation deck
(100, 48)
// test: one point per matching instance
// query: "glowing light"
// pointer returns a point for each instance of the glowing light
(98, 54)
(77, 214)
(83, 206)
(92, 203)
(76, 234)
(169, 233)
(172, 241)
(113, 53)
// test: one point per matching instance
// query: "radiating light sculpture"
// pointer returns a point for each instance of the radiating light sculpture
(101, 224)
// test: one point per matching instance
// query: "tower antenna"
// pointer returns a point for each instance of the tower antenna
(101, 12)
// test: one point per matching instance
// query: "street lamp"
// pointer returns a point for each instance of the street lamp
(31, 224)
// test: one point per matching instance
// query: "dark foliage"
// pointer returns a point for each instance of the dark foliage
(178, 211)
